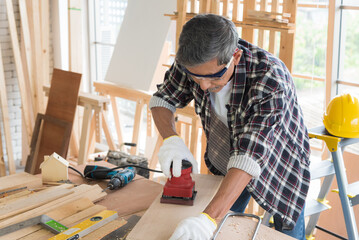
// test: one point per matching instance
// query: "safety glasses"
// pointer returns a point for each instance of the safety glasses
(214, 76)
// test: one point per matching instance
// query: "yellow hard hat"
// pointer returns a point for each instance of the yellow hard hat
(342, 116)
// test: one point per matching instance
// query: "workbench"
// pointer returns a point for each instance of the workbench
(135, 197)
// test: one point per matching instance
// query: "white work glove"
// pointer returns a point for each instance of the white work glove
(195, 228)
(175, 150)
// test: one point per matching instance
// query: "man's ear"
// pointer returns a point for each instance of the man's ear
(237, 56)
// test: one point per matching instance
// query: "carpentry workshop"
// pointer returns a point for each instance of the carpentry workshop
(179, 119)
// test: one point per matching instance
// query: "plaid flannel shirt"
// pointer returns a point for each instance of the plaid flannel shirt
(265, 123)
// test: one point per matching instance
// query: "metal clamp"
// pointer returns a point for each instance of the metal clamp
(238, 214)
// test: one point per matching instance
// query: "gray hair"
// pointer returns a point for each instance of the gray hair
(206, 37)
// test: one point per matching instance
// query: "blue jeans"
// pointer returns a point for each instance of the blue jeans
(297, 232)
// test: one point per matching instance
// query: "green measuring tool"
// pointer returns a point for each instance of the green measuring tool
(47, 222)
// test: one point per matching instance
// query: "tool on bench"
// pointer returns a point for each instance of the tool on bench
(180, 190)
(87, 226)
(44, 220)
(118, 178)
(64, 233)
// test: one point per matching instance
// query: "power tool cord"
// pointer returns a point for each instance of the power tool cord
(109, 170)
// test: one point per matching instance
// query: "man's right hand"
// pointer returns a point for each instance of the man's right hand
(174, 150)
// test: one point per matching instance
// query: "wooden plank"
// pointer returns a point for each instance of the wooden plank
(58, 214)
(193, 6)
(204, 6)
(243, 228)
(62, 104)
(45, 41)
(112, 89)
(84, 141)
(94, 193)
(19, 180)
(160, 220)
(261, 39)
(14, 196)
(107, 131)
(27, 68)
(70, 221)
(2, 161)
(235, 10)
(37, 64)
(116, 115)
(247, 33)
(31, 201)
(215, 6)
(272, 34)
(18, 65)
(286, 53)
(6, 119)
(225, 8)
(137, 125)
(181, 20)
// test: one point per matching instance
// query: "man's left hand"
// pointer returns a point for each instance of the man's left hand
(195, 228)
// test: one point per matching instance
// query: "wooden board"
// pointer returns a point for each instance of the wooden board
(62, 103)
(5, 120)
(243, 228)
(160, 220)
(19, 180)
(58, 214)
(31, 201)
(136, 196)
(94, 193)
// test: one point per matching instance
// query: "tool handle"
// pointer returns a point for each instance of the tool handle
(98, 172)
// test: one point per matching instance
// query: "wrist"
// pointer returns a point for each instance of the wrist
(174, 135)
(210, 218)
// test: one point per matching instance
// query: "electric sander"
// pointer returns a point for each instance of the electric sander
(180, 190)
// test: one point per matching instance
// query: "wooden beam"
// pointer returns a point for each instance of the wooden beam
(116, 119)
(37, 60)
(58, 214)
(18, 65)
(6, 121)
(45, 40)
(261, 37)
(181, 10)
(84, 141)
(272, 34)
(247, 33)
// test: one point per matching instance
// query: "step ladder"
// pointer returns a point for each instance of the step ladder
(348, 193)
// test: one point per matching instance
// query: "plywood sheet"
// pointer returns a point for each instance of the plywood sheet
(160, 220)
(139, 43)
(61, 105)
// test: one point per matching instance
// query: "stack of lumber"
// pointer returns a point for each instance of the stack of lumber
(65, 203)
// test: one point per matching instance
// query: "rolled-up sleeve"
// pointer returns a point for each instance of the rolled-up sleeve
(174, 92)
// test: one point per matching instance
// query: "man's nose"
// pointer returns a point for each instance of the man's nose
(205, 84)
